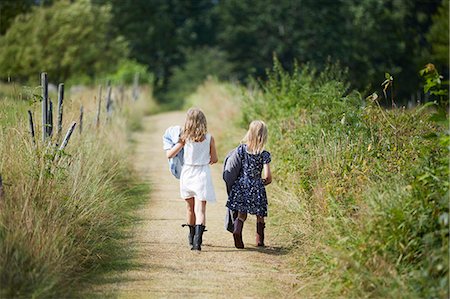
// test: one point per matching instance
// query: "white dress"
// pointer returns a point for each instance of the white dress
(195, 179)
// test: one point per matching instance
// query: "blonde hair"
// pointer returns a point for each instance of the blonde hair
(195, 127)
(256, 137)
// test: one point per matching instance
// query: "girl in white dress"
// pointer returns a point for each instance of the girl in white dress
(196, 185)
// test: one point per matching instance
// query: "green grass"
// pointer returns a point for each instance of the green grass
(64, 216)
(372, 186)
(361, 192)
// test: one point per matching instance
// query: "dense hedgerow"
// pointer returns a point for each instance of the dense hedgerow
(368, 187)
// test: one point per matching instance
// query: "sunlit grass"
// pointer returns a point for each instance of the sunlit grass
(360, 193)
(63, 214)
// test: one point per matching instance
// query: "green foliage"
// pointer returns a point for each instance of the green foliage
(438, 37)
(70, 38)
(371, 186)
(434, 85)
(200, 63)
(361, 35)
(368, 37)
(63, 215)
(126, 71)
(158, 31)
(10, 9)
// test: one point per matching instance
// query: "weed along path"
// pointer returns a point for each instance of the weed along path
(164, 264)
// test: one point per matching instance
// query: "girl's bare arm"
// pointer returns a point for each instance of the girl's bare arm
(174, 150)
(267, 175)
(213, 152)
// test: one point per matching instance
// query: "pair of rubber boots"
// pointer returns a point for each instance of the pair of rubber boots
(195, 236)
(237, 233)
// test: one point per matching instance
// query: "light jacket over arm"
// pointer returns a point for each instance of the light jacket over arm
(170, 139)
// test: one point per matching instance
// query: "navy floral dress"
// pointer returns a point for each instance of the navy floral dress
(248, 194)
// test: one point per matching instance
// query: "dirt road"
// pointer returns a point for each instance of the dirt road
(166, 267)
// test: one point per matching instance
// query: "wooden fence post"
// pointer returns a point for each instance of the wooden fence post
(136, 86)
(97, 120)
(109, 101)
(50, 119)
(44, 84)
(30, 118)
(67, 137)
(60, 110)
(81, 119)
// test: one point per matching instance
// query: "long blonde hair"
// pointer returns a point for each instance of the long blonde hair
(195, 127)
(256, 137)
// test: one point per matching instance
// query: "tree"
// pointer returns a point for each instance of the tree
(438, 37)
(158, 31)
(199, 65)
(9, 9)
(370, 37)
(67, 39)
(387, 36)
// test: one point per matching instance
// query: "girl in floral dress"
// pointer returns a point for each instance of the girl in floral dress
(248, 193)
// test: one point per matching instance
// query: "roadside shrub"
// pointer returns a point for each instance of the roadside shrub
(371, 186)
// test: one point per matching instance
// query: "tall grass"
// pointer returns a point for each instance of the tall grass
(369, 186)
(62, 214)
(361, 192)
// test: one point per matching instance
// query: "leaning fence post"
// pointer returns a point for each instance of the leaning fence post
(97, 120)
(30, 118)
(44, 84)
(67, 137)
(81, 119)
(60, 109)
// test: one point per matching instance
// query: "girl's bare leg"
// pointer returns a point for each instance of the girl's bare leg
(190, 214)
(200, 212)
(260, 219)
(190, 219)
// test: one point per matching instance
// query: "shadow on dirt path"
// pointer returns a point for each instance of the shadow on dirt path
(164, 265)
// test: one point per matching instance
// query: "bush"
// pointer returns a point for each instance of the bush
(126, 71)
(370, 185)
(67, 39)
(200, 63)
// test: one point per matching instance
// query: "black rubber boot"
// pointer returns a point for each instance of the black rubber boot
(237, 233)
(191, 233)
(198, 237)
(260, 234)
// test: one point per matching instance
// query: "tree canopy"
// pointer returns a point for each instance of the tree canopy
(66, 39)
(369, 37)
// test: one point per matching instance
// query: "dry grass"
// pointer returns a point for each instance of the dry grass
(62, 212)
(361, 201)
(221, 104)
